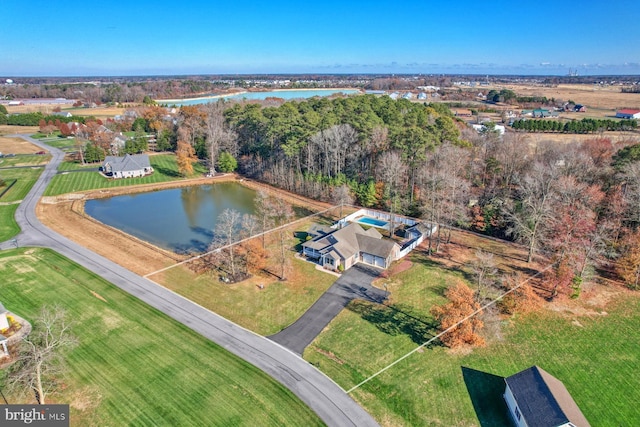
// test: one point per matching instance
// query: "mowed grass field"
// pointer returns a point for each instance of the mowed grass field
(136, 366)
(165, 169)
(23, 179)
(595, 353)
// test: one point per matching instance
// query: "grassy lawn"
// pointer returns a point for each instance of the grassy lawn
(265, 311)
(596, 356)
(8, 225)
(25, 177)
(136, 366)
(24, 160)
(64, 144)
(165, 168)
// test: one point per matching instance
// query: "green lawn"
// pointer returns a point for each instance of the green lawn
(165, 168)
(597, 358)
(25, 178)
(64, 144)
(8, 225)
(23, 160)
(136, 366)
(265, 311)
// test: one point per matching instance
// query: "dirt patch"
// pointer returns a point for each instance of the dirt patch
(86, 398)
(17, 146)
(330, 355)
(97, 295)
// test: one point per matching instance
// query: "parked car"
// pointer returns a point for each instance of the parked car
(41, 152)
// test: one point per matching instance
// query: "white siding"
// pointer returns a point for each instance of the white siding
(513, 409)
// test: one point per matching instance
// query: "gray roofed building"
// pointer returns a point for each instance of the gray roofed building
(129, 166)
(537, 399)
(344, 247)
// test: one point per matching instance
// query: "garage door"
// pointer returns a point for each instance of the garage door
(380, 262)
(368, 258)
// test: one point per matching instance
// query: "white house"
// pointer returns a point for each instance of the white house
(537, 399)
(628, 114)
(129, 166)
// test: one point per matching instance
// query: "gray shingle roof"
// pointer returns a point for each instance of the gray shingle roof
(130, 162)
(543, 400)
(352, 239)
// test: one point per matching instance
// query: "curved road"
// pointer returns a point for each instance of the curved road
(319, 392)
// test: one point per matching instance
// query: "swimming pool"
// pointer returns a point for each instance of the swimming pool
(373, 221)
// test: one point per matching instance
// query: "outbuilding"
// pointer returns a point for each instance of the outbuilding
(538, 399)
(628, 114)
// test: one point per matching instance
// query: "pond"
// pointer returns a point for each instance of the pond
(181, 219)
(285, 94)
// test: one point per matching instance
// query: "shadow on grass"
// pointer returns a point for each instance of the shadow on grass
(395, 320)
(485, 391)
(166, 171)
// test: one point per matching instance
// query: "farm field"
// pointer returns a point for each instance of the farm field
(16, 145)
(165, 169)
(133, 364)
(590, 345)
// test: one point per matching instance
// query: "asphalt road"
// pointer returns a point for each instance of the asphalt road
(354, 283)
(319, 392)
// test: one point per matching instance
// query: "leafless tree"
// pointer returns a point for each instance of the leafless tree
(40, 360)
(392, 171)
(225, 235)
(531, 213)
(484, 270)
(218, 135)
(341, 195)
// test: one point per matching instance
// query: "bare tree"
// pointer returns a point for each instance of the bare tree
(484, 271)
(392, 171)
(40, 360)
(341, 195)
(218, 134)
(531, 214)
(225, 235)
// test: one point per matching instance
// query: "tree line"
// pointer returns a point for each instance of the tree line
(586, 125)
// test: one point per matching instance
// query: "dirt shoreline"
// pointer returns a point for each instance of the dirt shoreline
(65, 214)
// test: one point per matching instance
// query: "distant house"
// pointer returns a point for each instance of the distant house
(480, 128)
(129, 166)
(537, 399)
(394, 95)
(462, 112)
(628, 114)
(579, 108)
(63, 114)
(407, 95)
(422, 95)
(340, 249)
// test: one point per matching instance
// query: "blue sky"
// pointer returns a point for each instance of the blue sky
(75, 38)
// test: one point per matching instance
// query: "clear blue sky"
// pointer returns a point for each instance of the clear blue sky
(86, 38)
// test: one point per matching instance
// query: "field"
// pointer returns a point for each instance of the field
(592, 96)
(165, 169)
(16, 145)
(98, 112)
(136, 366)
(591, 346)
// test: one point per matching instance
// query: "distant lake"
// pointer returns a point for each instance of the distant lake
(285, 94)
(180, 220)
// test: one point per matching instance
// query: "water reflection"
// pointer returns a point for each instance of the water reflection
(180, 220)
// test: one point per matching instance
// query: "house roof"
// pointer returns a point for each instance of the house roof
(130, 162)
(628, 111)
(543, 400)
(350, 240)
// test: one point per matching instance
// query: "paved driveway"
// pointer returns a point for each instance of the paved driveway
(355, 283)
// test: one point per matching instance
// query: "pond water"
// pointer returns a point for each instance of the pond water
(285, 94)
(181, 219)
